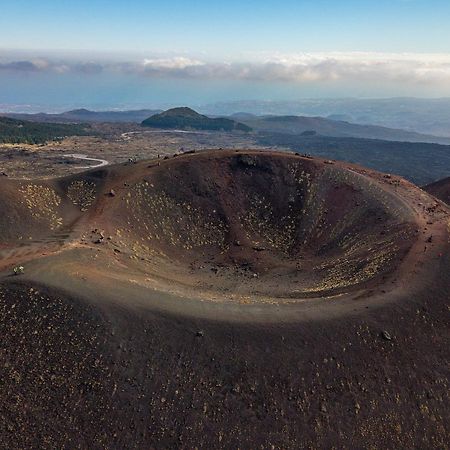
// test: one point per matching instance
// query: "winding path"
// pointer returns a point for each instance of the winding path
(129, 134)
(101, 162)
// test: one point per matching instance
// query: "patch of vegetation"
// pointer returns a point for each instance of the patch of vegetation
(14, 131)
(186, 118)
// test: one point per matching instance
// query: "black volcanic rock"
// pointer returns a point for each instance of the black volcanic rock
(187, 118)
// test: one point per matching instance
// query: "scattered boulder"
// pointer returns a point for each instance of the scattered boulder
(259, 248)
(386, 335)
(100, 235)
(18, 270)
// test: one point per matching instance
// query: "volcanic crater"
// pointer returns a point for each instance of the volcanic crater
(263, 224)
(223, 299)
(226, 225)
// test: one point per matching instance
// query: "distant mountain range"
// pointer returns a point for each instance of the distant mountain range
(430, 116)
(85, 116)
(186, 118)
(334, 128)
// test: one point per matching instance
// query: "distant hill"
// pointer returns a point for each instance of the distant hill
(429, 116)
(14, 131)
(187, 118)
(340, 117)
(336, 128)
(440, 189)
(85, 115)
(242, 116)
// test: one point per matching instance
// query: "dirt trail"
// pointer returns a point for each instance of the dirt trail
(101, 162)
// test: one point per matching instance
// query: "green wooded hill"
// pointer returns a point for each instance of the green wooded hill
(186, 118)
(14, 131)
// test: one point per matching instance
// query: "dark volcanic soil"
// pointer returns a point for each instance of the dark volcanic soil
(224, 299)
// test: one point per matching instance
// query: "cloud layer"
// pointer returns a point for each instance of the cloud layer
(292, 68)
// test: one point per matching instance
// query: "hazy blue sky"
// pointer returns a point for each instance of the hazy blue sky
(61, 52)
(224, 27)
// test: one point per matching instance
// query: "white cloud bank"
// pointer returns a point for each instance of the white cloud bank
(302, 68)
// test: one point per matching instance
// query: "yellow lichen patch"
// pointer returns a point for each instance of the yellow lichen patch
(43, 203)
(355, 265)
(178, 223)
(82, 194)
(302, 178)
